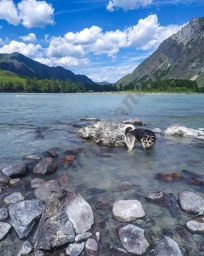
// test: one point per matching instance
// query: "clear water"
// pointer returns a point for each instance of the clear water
(53, 115)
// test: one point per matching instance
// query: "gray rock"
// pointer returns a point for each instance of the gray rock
(26, 249)
(55, 228)
(75, 249)
(65, 182)
(196, 225)
(166, 247)
(83, 237)
(13, 198)
(39, 253)
(90, 119)
(182, 131)
(35, 183)
(3, 214)
(158, 197)
(47, 165)
(52, 152)
(14, 181)
(47, 189)
(23, 215)
(157, 130)
(134, 121)
(191, 202)
(4, 179)
(32, 157)
(4, 229)
(128, 210)
(15, 170)
(91, 247)
(79, 212)
(133, 239)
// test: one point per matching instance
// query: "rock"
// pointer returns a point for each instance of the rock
(119, 252)
(4, 179)
(3, 214)
(35, 183)
(196, 225)
(98, 235)
(182, 131)
(166, 247)
(13, 198)
(191, 202)
(55, 228)
(157, 130)
(47, 165)
(91, 247)
(32, 157)
(128, 210)
(39, 253)
(103, 206)
(67, 159)
(15, 170)
(4, 229)
(26, 249)
(133, 239)
(122, 187)
(174, 208)
(184, 234)
(47, 189)
(23, 215)
(104, 133)
(65, 182)
(193, 174)
(14, 181)
(195, 181)
(52, 152)
(83, 237)
(90, 119)
(158, 197)
(134, 121)
(79, 212)
(75, 249)
(172, 177)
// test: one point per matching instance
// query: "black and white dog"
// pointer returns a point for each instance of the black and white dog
(146, 137)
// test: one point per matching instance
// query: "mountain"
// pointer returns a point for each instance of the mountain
(103, 83)
(24, 66)
(181, 56)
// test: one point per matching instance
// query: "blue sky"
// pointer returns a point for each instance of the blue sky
(103, 39)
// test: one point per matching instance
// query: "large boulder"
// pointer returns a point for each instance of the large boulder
(166, 247)
(79, 212)
(23, 215)
(15, 170)
(45, 166)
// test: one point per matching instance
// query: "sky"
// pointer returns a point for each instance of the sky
(102, 39)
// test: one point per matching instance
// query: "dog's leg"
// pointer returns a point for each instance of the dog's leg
(130, 141)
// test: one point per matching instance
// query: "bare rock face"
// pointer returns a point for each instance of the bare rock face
(133, 239)
(47, 165)
(91, 247)
(4, 229)
(15, 170)
(196, 225)
(55, 227)
(79, 212)
(23, 215)
(158, 197)
(166, 247)
(128, 210)
(191, 202)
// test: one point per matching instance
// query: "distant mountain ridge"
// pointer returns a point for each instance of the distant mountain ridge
(181, 56)
(24, 66)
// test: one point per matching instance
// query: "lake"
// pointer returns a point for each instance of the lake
(34, 123)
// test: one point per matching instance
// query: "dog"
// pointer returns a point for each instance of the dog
(146, 137)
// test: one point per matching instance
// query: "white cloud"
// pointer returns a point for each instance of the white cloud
(9, 12)
(127, 4)
(29, 38)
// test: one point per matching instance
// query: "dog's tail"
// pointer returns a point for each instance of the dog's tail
(129, 127)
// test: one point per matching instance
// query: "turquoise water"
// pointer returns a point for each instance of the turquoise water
(24, 116)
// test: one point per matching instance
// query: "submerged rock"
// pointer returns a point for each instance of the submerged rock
(13, 198)
(128, 210)
(184, 234)
(195, 181)
(47, 165)
(67, 159)
(166, 247)
(133, 239)
(15, 170)
(65, 182)
(172, 177)
(26, 249)
(158, 197)
(23, 215)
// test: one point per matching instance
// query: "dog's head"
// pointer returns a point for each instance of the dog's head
(148, 141)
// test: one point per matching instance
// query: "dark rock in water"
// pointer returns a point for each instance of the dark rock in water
(3, 214)
(169, 177)
(45, 166)
(75, 249)
(70, 152)
(26, 249)
(4, 229)
(195, 181)
(23, 215)
(96, 190)
(103, 206)
(77, 125)
(55, 228)
(158, 197)
(91, 247)
(193, 162)
(174, 208)
(65, 182)
(193, 174)
(4, 179)
(166, 247)
(52, 152)
(122, 187)
(184, 234)
(90, 119)
(133, 239)
(15, 170)
(67, 159)
(134, 121)
(47, 189)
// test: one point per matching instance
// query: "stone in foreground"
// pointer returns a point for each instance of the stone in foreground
(75, 249)
(128, 210)
(47, 165)
(13, 198)
(91, 247)
(196, 225)
(158, 197)
(133, 239)
(167, 247)
(15, 170)
(4, 229)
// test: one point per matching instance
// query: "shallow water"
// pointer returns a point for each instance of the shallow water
(24, 116)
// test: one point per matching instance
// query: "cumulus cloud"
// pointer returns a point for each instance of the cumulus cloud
(126, 4)
(9, 12)
(29, 38)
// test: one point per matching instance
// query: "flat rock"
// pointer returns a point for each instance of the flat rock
(133, 239)
(35, 183)
(13, 198)
(191, 202)
(32, 157)
(3, 214)
(158, 197)
(26, 249)
(196, 225)
(4, 179)
(167, 247)
(23, 215)
(182, 131)
(47, 189)
(91, 247)
(45, 166)
(83, 237)
(79, 212)
(15, 170)
(75, 249)
(128, 210)
(4, 229)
